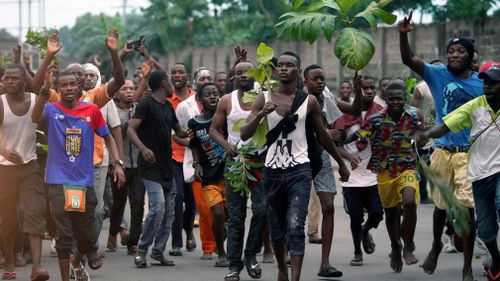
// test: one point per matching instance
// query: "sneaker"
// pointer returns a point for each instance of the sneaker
(314, 239)
(448, 246)
(140, 259)
(52, 248)
(206, 256)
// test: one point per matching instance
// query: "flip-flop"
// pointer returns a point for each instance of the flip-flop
(40, 275)
(490, 275)
(9, 275)
(95, 260)
(162, 261)
(190, 245)
(330, 271)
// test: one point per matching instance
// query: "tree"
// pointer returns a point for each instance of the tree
(463, 10)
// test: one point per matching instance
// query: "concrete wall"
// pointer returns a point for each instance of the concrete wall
(428, 41)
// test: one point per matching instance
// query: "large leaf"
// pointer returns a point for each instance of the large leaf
(258, 74)
(322, 4)
(250, 96)
(237, 125)
(345, 5)
(354, 48)
(372, 11)
(297, 4)
(306, 25)
(259, 137)
(264, 53)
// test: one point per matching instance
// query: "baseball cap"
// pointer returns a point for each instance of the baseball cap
(487, 65)
(493, 73)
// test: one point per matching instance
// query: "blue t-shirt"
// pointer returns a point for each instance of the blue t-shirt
(450, 92)
(71, 142)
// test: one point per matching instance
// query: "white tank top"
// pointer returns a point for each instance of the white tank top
(290, 150)
(17, 133)
(234, 116)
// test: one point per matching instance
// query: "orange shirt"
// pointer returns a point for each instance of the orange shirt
(177, 149)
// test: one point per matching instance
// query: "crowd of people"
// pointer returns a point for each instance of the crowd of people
(78, 147)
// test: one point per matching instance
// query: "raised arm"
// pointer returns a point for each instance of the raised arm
(118, 74)
(218, 122)
(409, 59)
(53, 47)
(356, 106)
(324, 138)
(260, 110)
(144, 51)
(43, 97)
(143, 85)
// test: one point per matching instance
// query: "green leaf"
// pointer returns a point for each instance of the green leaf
(306, 26)
(297, 4)
(410, 85)
(384, 3)
(250, 96)
(321, 4)
(259, 137)
(345, 5)
(250, 177)
(264, 53)
(258, 74)
(354, 48)
(372, 11)
(237, 125)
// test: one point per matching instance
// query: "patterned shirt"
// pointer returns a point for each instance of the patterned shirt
(391, 142)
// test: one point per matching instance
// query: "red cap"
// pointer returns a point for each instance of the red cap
(487, 65)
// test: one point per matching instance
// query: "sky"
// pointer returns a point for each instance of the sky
(59, 12)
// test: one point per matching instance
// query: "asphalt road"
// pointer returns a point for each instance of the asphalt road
(120, 267)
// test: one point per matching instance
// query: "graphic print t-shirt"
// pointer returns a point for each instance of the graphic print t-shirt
(211, 154)
(71, 142)
(450, 92)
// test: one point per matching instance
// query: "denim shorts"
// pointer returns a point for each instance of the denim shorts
(324, 181)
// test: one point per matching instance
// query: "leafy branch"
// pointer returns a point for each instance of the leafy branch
(243, 172)
(353, 47)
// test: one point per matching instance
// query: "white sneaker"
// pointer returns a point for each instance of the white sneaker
(448, 246)
(52, 248)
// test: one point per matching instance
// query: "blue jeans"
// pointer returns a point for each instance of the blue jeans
(288, 193)
(237, 212)
(486, 194)
(159, 218)
(184, 207)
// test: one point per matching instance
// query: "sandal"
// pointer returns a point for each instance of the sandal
(222, 262)
(368, 244)
(234, 275)
(80, 273)
(330, 271)
(162, 260)
(9, 275)
(253, 269)
(112, 243)
(140, 259)
(95, 260)
(356, 261)
(190, 245)
(175, 252)
(490, 275)
(40, 275)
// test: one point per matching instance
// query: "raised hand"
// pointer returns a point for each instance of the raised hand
(146, 69)
(112, 39)
(404, 26)
(27, 60)
(241, 54)
(128, 47)
(357, 81)
(16, 52)
(144, 51)
(96, 61)
(53, 44)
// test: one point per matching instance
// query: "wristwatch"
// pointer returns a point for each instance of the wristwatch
(119, 162)
(195, 163)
